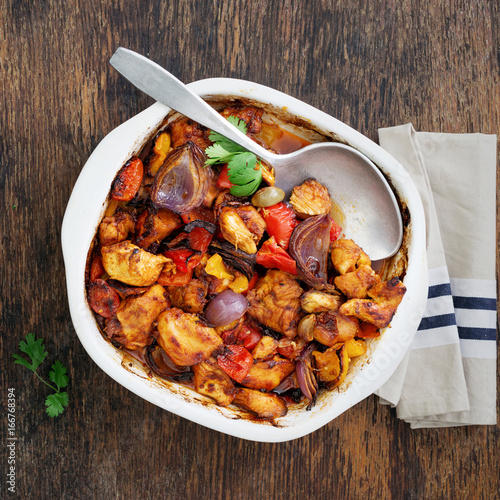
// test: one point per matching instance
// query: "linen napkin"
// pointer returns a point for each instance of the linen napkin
(448, 376)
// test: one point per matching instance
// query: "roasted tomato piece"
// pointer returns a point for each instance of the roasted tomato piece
(249, 336)
(96, 268)
(335, 231)
(128, 181)
(236, 362)
(223, 181)
(281, 221)
(103, 299)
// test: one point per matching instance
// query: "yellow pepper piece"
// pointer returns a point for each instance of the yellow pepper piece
(355, 347)
(160, 149)
(239, 285)
(216, 267)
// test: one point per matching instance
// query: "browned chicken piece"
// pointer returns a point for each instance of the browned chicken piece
(268, 374)
(116, 228)
(315, 301)
(190, 298)
(235, 231)
(154, 226)
(331, 366)
(185, 338)
(346, 256)
(310, 198)
(250, 115)
(263, 404)
(332, 327)
(186, 130)
(355, 284)
(135, 317)
(132, 265)
(379, 309)
(266, 347)
(211, 380)
(252, 220)
(275, 302)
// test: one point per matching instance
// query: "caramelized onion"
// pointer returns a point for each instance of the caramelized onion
(225, 308)
(309, 246)
(234, 257)
(305, 376)
(182, 181)
(158, 360)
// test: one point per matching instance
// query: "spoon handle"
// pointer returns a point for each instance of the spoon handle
(158, 83)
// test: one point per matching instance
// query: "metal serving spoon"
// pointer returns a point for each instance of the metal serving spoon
(370, 212)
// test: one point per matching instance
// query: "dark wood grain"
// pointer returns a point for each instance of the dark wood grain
(371, 64)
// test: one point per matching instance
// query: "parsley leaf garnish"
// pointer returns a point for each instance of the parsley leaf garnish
(243, 168)
(35, 350)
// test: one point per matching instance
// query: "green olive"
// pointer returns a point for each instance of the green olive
(268, 196)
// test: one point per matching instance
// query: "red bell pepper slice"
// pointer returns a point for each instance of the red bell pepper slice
(184, 259)
(199, 239)
(281, 221)
(273, 256)
(236, 362)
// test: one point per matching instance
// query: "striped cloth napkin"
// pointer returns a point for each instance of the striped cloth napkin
(448, 376)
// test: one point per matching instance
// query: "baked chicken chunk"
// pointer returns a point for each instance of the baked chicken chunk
(155, 225)
(185, 338)
(347, 256)
(135, 317)
(379, 308)
(190, 298)
(132, 265)
(116, 228)
(275, 302)
(355, 284)
(310, 198)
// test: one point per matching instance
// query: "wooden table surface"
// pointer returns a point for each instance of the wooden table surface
(371, 64)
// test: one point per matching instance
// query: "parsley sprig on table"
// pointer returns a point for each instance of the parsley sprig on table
(243, 168)
(35, 350)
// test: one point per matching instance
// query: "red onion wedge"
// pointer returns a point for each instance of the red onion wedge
(182, 181)
(309, 245)
(227, 307)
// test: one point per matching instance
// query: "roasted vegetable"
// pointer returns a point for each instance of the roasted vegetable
(128, 181)
(309, 246)
(182, 182)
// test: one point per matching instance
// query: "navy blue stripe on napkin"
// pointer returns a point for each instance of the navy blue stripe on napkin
(470, 333)
(475, 303)
(439, 290)
(438, 321)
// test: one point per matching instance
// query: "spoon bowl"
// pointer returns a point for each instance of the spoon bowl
(367, 206)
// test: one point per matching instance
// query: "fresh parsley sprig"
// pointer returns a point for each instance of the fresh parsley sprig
(243, 168)
(35, 350)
